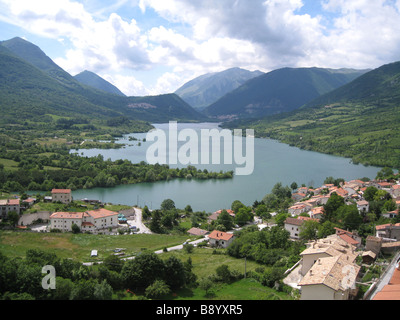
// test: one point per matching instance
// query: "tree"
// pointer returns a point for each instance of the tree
(13, 217)
(334, 203)
(385, 173)
(309, 230)
(103, 291)
(113, 263)
(236, 205)
(141, 272)
(294, 186)
(225, 219)
(224, 273)
(175, 273)
(350, 216)
(370, 193)
(167, 205)
(206, 284)
(243, 216)
(157, 289)
(75, 229)
(155, 225)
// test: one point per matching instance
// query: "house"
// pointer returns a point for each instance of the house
(388, 231)
(395, 191)
(373, 244)
(220, 239)
(9, 205)
(317, 212)
(330, 278)
(29, 202)
(368, 257)
(298, 196)
(216, 214)
(350, 237)
(89, 221)
(197, 232)
(61, 195)
(297, 209)
(327, 247)
(363, 206)
(293, 225)
(391, 291)
(391, 214)
(342, 192)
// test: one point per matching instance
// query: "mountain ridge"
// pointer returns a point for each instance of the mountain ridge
(53, 90)
(358, 120)
(278, 91)
(204, 90)
(92, 79)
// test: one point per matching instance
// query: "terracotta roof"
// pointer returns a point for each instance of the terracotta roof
(197, 232)
(294, 221)
(13, 202)
(332, 246)
(329, 271)
(395, 277)
(61, 191)
(389, 292)
(219, 235)
(101, 213)
(348, 239)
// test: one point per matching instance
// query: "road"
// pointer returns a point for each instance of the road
(138, 222)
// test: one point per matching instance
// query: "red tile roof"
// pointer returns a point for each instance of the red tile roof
(61, 191)
(101, 213)
(219, 235)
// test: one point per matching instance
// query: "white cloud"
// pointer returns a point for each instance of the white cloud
(201, 36)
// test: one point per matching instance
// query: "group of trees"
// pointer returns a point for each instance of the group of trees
(271, 247)
(43, 173)
(146, 275)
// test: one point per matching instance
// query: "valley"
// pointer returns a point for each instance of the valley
(316, 130)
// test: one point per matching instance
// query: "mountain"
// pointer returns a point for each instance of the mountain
(206, 89)
(32, 85)
(91, 79)
(358, 120)
(32, 54)
(279, 91)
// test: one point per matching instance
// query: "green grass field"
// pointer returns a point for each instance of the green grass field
(79, 246)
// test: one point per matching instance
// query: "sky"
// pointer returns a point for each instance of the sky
(151, 47)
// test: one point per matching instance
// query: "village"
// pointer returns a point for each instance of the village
(329, 267)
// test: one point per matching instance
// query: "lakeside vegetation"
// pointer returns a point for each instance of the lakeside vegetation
(42, 161)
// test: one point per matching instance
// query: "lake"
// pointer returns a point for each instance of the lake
(273, 162)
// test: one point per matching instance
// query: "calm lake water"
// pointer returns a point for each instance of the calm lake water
(273, 162)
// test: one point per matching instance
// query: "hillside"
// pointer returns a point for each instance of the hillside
(93, 80)
(359, 120)
(279, 91)
(207, 89)
(32, 85)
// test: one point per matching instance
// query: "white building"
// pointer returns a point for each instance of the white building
(89, 221)
(329, 270)
(220, 239)
(363, 206)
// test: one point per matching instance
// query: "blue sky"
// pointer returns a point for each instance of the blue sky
(148, 47)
